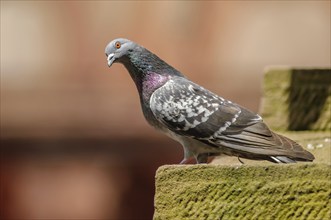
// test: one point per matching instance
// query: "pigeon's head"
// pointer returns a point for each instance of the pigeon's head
(117, 49)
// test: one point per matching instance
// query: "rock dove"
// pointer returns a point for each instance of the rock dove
(204, 123)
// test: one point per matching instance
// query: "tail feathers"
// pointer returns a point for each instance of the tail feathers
(295, 152)
(282, 159)
(257, 141)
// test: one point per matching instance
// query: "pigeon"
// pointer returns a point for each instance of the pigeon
(204, 123)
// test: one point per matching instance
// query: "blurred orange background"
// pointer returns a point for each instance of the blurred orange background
(74, 143)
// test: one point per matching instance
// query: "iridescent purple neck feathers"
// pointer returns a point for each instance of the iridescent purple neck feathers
(152, 82)
(147, 70)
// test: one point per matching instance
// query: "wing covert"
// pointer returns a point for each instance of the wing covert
(190, 110)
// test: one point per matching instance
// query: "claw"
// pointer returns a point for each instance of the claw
(183, 161)
(240, 160)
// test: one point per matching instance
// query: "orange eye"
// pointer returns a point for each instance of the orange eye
(118, 45)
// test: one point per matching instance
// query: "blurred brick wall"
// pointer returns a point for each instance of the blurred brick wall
(55, 80)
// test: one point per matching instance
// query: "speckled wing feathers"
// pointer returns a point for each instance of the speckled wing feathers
(185, 107)
(190, 110)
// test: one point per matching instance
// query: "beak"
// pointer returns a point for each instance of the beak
(110, 59)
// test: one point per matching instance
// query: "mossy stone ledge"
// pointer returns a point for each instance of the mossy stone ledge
(297, 99)
(296, 191)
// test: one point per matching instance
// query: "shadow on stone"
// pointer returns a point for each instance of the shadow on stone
(308, 92)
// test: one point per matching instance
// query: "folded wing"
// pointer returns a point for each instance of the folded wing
(192, 111)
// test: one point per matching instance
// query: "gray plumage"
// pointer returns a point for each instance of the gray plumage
(203, 122)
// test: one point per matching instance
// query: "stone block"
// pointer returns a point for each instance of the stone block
(296, 191)
(297, 99)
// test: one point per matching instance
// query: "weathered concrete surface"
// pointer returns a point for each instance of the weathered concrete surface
(297, 191)
(297, 99)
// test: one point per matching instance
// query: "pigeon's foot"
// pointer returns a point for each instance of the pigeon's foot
(184, 161)
(202, 158)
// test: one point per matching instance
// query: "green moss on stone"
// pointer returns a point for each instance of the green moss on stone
(297, 99)
(300, 191)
